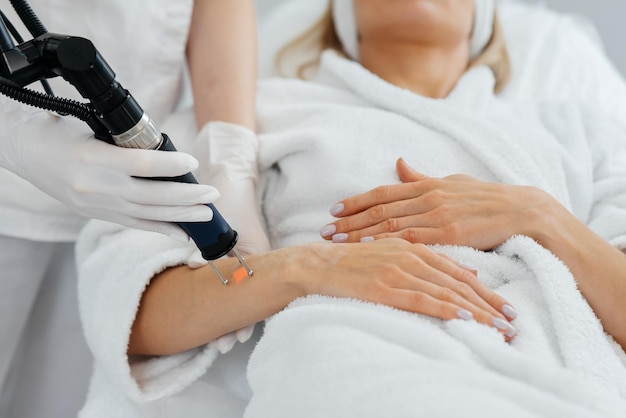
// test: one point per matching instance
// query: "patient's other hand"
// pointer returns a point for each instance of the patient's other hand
(406, 276)
(455, 210)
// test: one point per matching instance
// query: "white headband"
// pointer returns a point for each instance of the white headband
(345, 26)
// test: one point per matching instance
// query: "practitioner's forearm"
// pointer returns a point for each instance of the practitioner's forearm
(222, 56)
(184, 308)
(599, 268)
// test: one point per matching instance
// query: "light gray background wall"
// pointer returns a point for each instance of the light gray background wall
(609, 17)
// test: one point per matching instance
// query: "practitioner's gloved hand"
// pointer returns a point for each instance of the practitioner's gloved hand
(61, 158)
(228, 161)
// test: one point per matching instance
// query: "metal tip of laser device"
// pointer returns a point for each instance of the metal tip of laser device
(219, 273)
(242, 261)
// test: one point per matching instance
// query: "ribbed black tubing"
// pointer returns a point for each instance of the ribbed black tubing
(30, 19)
(44, 101)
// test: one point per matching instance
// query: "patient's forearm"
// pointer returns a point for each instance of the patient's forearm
(599, 268)
(184, 308)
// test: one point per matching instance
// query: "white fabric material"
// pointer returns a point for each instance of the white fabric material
(484, 13)
(117, 28)
(344, 20)
(110, 294)
(346, 27)
(340, 352)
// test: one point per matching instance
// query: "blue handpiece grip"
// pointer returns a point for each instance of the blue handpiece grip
(214, 238)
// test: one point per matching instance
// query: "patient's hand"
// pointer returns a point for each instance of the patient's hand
(455, 210)
(406, 276)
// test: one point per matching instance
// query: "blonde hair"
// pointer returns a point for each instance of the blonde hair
(322, 36)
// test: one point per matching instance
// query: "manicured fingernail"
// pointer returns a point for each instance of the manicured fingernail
(464, 315)
(328, 230)
(509, 311)
(337, 209)
(405, 162)
(512, 332)
(340, 237)
(503, 325)
(367, 239)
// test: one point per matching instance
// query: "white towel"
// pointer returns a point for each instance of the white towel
(335, 357)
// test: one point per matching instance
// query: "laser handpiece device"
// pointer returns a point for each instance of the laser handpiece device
(112, 112)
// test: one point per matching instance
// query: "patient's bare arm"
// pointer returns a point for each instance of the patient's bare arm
(184, 308)
(464, 211)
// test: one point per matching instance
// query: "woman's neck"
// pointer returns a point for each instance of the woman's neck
(430, 71)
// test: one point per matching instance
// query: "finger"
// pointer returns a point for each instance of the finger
(468, 286)
(195, 213)
(414, 235)
(144, 163)
(111, 208)
(440, 303)
(418, 235)
(424, 303)
(496, 301)
(379, 195)
(379, 218)
(407, 173)
(442, 279)
(167, 193)
(245, 333)
(226, 343)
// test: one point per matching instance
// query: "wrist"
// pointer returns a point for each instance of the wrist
(286, 269)
(554, 227)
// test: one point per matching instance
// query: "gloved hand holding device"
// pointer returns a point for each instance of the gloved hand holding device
(96, 179)
(116, 118)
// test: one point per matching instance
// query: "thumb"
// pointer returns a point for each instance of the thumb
(407, 173)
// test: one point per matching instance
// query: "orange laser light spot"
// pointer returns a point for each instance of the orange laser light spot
(240, 275)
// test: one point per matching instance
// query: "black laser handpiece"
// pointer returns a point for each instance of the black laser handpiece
(130, 127)
(112, 112)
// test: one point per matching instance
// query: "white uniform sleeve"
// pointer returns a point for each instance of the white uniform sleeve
(115, 265)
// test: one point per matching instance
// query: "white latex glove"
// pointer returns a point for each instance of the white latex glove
(60, 157)
(228, 160)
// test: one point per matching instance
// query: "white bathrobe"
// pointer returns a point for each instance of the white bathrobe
(338, 136)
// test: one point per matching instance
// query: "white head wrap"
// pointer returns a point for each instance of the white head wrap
(345, 26)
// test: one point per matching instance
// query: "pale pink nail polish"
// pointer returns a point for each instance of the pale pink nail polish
(464, 314)
(340, 237)
(367, 239)
(509, 311)
(503, 325)
(328, 230)
(336, 209)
